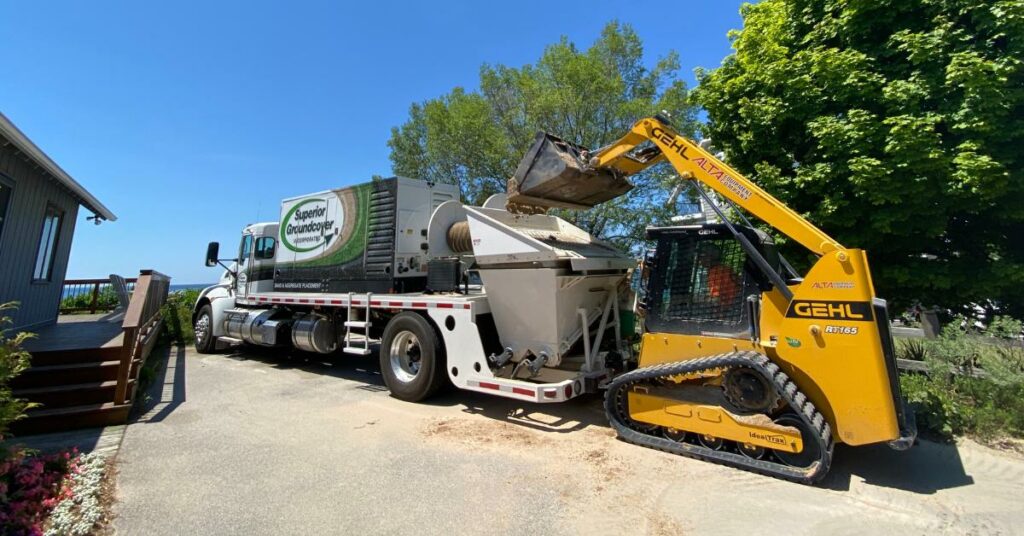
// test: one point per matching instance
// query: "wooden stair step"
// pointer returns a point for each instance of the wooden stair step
(78, 355)
(68, 374)
(40, 420)
(76, 394)
(74, 410)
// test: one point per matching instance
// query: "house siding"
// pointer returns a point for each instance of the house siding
(32, 191)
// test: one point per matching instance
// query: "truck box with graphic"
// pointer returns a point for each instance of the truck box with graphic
(363, 238)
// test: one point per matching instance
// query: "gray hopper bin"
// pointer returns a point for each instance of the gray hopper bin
(554, 173)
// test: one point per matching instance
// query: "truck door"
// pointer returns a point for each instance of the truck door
(244, 264)
(261, 269)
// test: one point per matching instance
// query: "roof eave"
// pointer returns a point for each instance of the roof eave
(25, 145)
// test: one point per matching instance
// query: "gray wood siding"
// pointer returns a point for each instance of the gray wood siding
(19, 239)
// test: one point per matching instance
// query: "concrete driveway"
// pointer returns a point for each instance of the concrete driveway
(262, 443)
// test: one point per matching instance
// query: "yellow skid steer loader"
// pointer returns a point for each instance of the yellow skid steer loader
(743, 361)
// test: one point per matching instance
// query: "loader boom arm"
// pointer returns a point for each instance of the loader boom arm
(693, 162)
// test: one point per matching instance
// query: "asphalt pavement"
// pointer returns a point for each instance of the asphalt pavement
(258, 442)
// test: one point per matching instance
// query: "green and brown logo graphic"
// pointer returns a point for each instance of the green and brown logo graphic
(327, 228)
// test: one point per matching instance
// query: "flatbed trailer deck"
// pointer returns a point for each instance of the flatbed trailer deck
(456, 317)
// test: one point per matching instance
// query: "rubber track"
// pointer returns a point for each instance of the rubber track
(788, 390)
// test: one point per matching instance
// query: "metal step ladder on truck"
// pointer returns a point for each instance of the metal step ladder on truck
(741, 360)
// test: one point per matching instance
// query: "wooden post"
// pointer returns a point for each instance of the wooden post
(124, 369)
(95, 297)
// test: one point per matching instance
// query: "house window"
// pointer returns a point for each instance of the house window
(48, 244)
(5, 199)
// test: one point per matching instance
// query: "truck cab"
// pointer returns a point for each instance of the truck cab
(250, 272)
(255, 266)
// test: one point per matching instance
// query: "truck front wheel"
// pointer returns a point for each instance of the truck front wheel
(411, 360)
(205, 342)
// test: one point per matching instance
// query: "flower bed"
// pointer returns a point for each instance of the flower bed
(50, 494)
(79, 512)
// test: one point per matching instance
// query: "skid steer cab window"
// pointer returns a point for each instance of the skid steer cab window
(699, 282)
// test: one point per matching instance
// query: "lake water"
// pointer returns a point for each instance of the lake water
(76, 290)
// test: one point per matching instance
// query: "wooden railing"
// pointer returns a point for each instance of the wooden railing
(89, 295)
(142, 323)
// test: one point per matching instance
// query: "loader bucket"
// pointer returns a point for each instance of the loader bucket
(554, 173)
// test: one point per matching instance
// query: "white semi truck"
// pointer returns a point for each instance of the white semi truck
(521, 306)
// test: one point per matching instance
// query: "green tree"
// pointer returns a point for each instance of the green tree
(591, 97)
(896, 126)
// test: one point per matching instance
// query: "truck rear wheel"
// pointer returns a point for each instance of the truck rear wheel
(205, 342)
(412, 361)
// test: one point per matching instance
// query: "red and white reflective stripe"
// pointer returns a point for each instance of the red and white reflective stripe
(523, 391)
(386, 304)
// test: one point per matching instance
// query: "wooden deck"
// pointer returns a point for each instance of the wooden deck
(79, 332)
(85, 368)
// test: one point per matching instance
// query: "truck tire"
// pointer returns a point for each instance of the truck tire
(205, 342)
(412, 361)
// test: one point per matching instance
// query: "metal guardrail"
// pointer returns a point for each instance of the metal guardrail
(89, 295)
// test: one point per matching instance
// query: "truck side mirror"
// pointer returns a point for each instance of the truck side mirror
(211, 253)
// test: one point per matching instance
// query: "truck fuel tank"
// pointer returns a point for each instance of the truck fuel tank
(314, 333)
(256, 326)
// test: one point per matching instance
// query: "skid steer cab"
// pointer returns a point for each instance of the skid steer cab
(738, 373)
(700, 281)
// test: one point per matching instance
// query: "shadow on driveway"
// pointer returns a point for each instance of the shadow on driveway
(166, 391)
(925, 469)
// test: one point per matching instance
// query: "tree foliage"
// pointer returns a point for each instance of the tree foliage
(13, 361)
(896, 126)
(591, 97)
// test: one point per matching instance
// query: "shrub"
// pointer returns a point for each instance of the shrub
(177, 313)
(30, 486)
(1005, 327)
(13, 360)
(912, 349)
(975, 384)
(106, 299)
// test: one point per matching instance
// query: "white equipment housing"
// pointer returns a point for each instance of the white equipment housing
(542, 275)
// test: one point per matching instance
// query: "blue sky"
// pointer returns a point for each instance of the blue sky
(191, 119)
